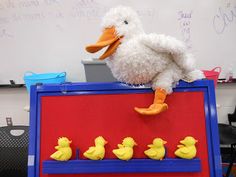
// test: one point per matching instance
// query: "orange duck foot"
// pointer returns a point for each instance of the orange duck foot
(153, 109)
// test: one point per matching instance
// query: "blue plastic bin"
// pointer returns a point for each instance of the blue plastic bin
(31, 78)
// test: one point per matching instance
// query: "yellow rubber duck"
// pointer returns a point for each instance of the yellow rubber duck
(64, 151)
(96, 152)
(125, 151)
(187, 149)
(156, 150)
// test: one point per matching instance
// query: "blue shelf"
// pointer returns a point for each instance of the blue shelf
(119, 166)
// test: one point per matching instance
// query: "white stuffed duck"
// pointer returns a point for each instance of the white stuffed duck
(135, 57)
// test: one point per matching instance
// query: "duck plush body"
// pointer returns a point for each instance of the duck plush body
(156, 150)
(64, 151)
(125, 151)
(135, 57)
(187, 149)
(96, 152)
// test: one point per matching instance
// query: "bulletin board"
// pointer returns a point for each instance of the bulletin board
(83, 111)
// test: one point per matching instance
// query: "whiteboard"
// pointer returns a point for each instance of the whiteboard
(50, 35)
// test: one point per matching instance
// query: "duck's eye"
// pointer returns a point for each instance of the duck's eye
(126, 22)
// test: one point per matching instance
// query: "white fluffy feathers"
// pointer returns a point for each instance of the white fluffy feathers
(142, 58)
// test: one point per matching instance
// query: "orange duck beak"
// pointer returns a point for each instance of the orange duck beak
(108, 38)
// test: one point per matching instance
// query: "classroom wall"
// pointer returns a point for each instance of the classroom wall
(13, 101)
(226, 101)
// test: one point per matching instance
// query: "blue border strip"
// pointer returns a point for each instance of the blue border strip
(208, 129)
(37, 160)
(214, 130)
(65, 88)
(116, 88)
(119, 166)
(32, 133)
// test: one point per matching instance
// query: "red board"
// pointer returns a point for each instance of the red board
(82, 118)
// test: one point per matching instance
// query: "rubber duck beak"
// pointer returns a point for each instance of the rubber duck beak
(182, 141)
(108, 38)
(164, 142)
